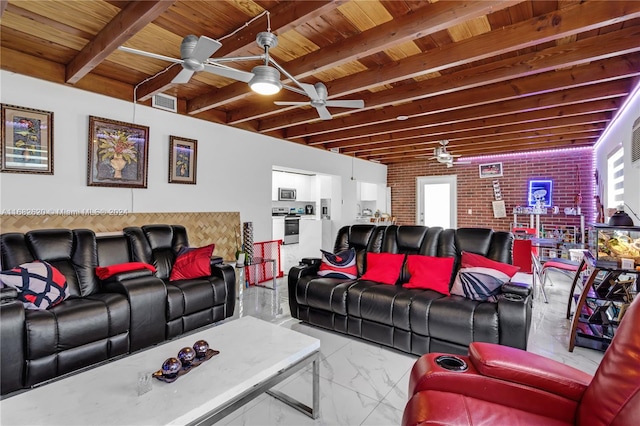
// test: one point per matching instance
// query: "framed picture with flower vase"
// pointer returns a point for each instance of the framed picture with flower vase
(118, 154)
(183, 160)
(27, 140)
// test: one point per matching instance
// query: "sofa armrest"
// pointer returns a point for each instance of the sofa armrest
(528, 369)
(227, 273)
(295, 274)
(12, 342)
(514, 319)
(427, 375)
(147, 296)
(8, 294)
(521, 289)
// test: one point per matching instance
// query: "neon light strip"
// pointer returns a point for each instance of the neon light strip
(526, 154)
(635, 92)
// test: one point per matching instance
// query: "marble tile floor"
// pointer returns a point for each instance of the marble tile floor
(363, 383)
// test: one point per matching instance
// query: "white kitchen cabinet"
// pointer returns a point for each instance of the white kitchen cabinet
(290, 256)
(310, 238)
(368, 191)
(277, 231)
(276, 182)
(304, 185)
(325, 186)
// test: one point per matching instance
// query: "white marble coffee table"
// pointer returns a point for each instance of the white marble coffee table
(254, 356)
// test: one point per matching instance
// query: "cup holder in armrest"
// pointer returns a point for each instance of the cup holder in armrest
(451, 363)
(513, 297)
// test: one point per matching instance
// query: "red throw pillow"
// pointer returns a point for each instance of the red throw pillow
(194, 263)
(430, 272)
(383, 267)
(104, 272)
(472, 260)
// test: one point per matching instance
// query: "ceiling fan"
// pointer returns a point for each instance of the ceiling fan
(318, 94)
(195, 53)
(441, 154)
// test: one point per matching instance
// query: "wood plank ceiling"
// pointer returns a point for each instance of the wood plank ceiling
(490, 76)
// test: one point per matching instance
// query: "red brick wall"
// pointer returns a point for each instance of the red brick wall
(563, 167)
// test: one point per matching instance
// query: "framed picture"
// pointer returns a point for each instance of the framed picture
(183, 160)
(490, 170)
(117, 154)
(540, 193)
(27, 140)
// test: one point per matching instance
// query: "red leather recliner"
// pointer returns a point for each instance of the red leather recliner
(508, 386)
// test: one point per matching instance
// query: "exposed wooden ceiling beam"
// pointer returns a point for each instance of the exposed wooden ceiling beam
(130, 20)
(424, 21)
(444, 132)
(477, 142)
(580, 97)
(541, 29)
(509, 145)
(567, 55)
(284, 16)
(594, 73)
(471, 122)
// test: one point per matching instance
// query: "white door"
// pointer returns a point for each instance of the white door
(437, 201)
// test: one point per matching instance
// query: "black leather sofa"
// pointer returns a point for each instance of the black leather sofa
(412, 320)
(102, 319)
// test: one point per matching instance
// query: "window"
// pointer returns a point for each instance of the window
(615, 179)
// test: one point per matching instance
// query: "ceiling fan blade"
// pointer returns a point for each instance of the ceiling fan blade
(324, 113)
(149, 54)
(346, 104)
(205, 48)
(183, 76)
(282, 103)
(229, 72)
(310, 90)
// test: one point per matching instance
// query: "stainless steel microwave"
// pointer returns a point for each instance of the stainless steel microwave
(286, 194)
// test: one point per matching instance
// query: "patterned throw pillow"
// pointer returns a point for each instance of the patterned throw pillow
(479, 283)
(39, 285)
(339, 265)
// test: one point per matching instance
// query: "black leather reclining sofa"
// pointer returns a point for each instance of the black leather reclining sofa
(102, 319)
(416, 321)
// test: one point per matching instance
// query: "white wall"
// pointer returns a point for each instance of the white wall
(619, 133)
(234, 166)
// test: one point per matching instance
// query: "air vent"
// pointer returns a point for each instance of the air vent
(635, 144)
(165, 102)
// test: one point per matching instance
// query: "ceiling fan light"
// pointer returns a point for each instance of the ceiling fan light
(266, 80)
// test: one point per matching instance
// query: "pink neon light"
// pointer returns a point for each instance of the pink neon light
(526, 154)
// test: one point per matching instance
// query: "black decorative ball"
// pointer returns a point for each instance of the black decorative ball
(201, 347)
(171, 367)
(186, 355)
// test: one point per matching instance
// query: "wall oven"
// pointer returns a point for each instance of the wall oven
(291, 229)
